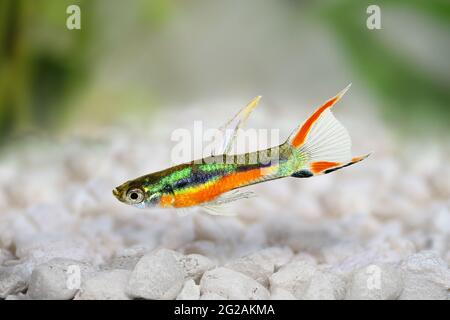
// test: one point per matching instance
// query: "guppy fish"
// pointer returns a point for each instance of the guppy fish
(320, 145)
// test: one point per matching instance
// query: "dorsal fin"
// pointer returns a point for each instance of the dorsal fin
(230, 129)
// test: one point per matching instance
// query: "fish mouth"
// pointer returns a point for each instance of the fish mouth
(116, 193)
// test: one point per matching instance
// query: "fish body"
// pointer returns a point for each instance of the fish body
(320, 145)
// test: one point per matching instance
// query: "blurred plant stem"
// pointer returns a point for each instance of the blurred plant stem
(14, 86)
(41, 64)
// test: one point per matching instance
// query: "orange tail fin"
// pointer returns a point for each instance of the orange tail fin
(323, 142)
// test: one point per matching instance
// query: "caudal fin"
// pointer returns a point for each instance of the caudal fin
(322, 142)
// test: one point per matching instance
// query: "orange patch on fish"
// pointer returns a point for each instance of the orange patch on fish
(300, 137)
(166, 200)
(210, 191)
(318, 167)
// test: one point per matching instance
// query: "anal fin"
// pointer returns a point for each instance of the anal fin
(217, 206)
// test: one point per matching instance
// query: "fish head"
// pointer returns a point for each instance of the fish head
(141, 192)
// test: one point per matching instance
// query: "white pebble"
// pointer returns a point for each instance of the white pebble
(51, 218)
(58, 279)
(14, 277)
(127, 259)
(281, 294)
(294, 277)
(11, 282)
(440, 182)
(190, 291)
(212, 296)
(340, 251)
(278, 255)
(195, 265)
(304, 256)
(414, 187)
(43, 248)
(157, 275)
(260, 265)
(230, 284)
(19, 296)
(5, 255)
(254, 266)
(325, 286)
(441, 221)
(105, 285)
(425, 276)
(375, 282)
(205, 248)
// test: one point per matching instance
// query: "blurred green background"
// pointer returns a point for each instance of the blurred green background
(134, 57)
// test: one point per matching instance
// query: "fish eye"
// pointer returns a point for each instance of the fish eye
(135, 195)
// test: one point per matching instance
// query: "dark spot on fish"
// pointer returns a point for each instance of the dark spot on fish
(167, 189)
(337, 168)
(302, 174)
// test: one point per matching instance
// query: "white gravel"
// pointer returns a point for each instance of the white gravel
(377, 230)
(425, 276)
(230, 284)
(190, 291)
(195, 265)
(52, 280)
(105, 285)
(376, 282)
(294, 277)
(157, 275)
